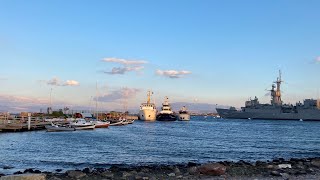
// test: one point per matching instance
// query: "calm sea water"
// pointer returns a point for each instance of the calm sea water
(200, 140)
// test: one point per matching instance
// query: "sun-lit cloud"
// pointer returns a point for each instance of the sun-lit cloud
(124, 61)
(57, 82)
(119, 94)
(172, 73)
(123, 70)
(71, 83)
(128, 65)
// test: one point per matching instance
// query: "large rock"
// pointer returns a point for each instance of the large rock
(315, 162)
(24, 177)
(75, 174)
(214, 169)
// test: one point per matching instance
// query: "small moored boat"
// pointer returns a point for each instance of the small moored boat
(56, 128)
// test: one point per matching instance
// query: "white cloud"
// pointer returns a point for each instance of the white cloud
(173, 73)
(124, 61)
(123, 93)
(128, 65)
(57, 82)
(123, 70)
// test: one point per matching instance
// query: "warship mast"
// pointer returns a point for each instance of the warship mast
(276, 94)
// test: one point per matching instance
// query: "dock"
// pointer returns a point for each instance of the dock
(21, 124)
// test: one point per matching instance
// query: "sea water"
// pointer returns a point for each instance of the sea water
(143, 143)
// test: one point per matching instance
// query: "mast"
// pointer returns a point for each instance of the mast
(276, 96)
(149, 94)
(96, 100)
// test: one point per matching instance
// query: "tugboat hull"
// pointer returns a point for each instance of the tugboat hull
(166, 117)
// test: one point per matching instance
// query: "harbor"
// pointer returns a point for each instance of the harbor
(160, 144)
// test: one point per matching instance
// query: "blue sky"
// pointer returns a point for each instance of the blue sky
(219, 52)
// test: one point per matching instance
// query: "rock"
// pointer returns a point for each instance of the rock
(285, 175)
(75, 174)
(58, 170)
(24, 177)
(30, 170)
(87, 170)
(270, 166)
(177, 171)
(300, 172)
(214, 169)
(18, 172)
(37, 171)
(172, 175)
(2, 174)
(191, 164)
(126, 174)
(107, 174)
(275, 173)
(315, 162)
(283, 166)
(193, 170)
(54, 178)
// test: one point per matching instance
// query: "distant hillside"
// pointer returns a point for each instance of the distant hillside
(197, 107)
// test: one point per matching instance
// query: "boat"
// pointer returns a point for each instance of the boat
(81, 124)
(56, 128)
(148, 110)
(309, 110)
(184, 114)
(100, 124)
(166, 114)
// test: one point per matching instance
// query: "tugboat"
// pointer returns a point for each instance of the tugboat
(184, 114)
(148, 111)
(166, 113)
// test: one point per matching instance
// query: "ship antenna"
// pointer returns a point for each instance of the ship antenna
(148, 101)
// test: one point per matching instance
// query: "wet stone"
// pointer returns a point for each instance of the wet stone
(75, 174)
(58, 170)
(275, 173)
(171, 174)
(214, 169)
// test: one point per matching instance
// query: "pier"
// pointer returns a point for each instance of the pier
(19, 124)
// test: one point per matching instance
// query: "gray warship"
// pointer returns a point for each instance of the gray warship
(309, 110)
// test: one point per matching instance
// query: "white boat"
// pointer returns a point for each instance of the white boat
(56, 128)
(184, 114)
(148, 111)
(80, 124)
(100, 124)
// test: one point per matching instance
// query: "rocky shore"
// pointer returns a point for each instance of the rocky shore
(308, 168)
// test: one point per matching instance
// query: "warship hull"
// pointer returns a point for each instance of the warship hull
(272, 114)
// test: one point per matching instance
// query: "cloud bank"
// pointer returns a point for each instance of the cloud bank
(124, 61)
(123, 70)
(128, 65)
(20, 103)
(123, 93)
(173, 73)
(57, 82)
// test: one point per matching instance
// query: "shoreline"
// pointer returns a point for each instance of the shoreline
(294, 168)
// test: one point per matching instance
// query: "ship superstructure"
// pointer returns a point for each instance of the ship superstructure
(148, 111)
(166, 114)
(184, 114)
(308, 110)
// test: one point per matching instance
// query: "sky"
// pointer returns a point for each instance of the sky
(196, 51)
